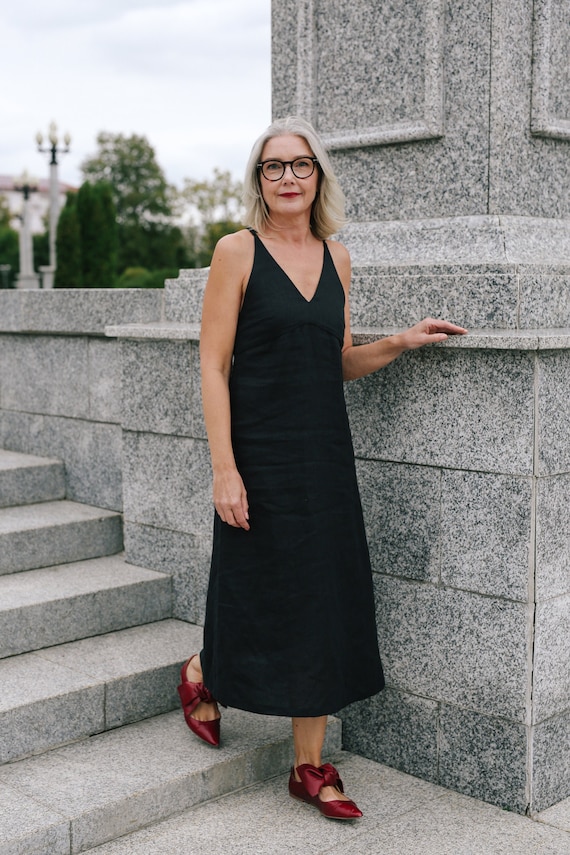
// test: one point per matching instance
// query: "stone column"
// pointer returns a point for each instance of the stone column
(26, 278)
(449, 126)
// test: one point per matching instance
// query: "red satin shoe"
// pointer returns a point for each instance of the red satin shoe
(313, 779)
(192, 694)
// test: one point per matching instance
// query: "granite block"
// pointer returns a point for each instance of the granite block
(486, 533)
(27, 826)
(396, 299)
(139, 774)
(514, 152)
(167, 482)
(78, 310)
(551, 687)
(91, 452)
(557, 816)
(186, 557)
(401, 507)
(284, 59)
(441, 407)
(551, 762)
(140, 667)
(44, 704)
(553, 412)
(161, 388)
(45, 374)
(454, 646)
(452, 825)
(483, 757)
(544, 299)
(48, 533)
(57, 604)
(264, 820)
(183, 296)
(552, 575)
(427, 177)
(104, 380)
(395, 728)
(26, 479)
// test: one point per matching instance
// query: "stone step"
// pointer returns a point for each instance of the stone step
(26, 479)
(64, 693)
(83, 795)
(41, 535)
(41, 608)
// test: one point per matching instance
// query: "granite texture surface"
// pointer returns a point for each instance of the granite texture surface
(104, 380)
(395, 728)
(91, 452)
(402, 514)
(54, 605)
(26, 478)
(551, 761)
(486, 533)
(184, 556)
(553, 413)
(483, 756)
(455, 646)
(183, 296)
(552, 575)
(167, 482)
(77, 310)
(28, 826)
(551, 687)
(469, 239)
(442, 407)
(45, 374)
(161, 388)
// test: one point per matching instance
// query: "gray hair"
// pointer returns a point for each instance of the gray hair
(327, 215)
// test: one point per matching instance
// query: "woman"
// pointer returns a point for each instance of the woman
(290, 623)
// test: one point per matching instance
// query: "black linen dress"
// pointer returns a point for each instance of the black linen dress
(290, 620)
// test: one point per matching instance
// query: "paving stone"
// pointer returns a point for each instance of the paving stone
(28, 827)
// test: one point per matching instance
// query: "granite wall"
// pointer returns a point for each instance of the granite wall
(449, 127)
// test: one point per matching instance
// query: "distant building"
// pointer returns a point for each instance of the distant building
(39, 201)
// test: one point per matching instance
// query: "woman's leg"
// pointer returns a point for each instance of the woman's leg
(308, 738)
(204, 711)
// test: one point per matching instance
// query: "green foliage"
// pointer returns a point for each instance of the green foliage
(217, 200)
(9, 246)
(98, 235)
(216, 205)
(153, 246)
(128, 163)
(69, 273)
(41, 249)
(140, 277)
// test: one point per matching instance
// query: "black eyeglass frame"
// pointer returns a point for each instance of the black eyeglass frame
(285, 164)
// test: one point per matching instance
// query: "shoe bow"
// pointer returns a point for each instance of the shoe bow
(314, 778)
(191, 694)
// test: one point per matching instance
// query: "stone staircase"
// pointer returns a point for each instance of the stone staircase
(92, 743)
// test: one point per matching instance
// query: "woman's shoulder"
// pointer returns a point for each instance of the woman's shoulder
(239, 241)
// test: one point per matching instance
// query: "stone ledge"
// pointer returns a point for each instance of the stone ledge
(165, 330)
(77, 310)
(482, 339)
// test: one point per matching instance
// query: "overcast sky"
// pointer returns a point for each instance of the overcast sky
(192, 76)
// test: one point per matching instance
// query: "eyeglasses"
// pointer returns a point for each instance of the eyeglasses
(301, 167)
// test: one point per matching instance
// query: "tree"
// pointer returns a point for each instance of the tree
(141, 192)
(145, 203)
(98, 235)
(69, 272)
(217, 207)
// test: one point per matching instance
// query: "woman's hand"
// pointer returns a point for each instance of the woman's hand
(230, 498)
(428, 331)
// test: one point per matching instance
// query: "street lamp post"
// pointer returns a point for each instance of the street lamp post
(53, 149)
(27, 278)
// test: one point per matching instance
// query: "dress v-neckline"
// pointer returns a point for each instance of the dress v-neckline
(284, 272)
